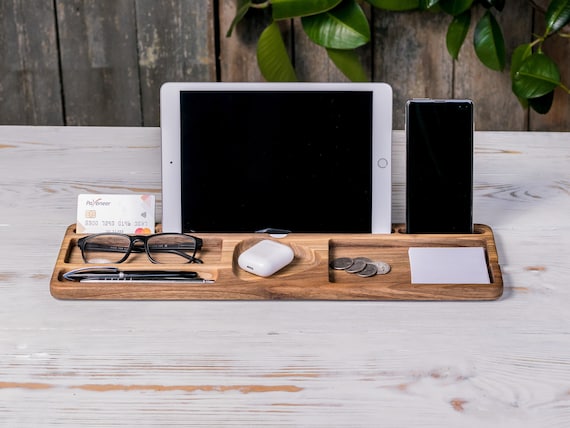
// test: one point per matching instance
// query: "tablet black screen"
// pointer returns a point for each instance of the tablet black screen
(294, 160)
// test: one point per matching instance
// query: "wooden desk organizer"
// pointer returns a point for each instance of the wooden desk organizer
(308, 277)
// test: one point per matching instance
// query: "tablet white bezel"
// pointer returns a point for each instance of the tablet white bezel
(381, 148)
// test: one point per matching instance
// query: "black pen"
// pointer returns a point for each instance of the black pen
(110, 273)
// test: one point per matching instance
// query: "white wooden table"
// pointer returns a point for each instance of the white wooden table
(503, 363)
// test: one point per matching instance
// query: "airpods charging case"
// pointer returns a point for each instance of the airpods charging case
(266, 257)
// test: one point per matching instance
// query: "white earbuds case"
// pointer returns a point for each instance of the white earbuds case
(266, 257)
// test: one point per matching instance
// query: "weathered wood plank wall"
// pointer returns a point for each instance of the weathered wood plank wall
(88, 62)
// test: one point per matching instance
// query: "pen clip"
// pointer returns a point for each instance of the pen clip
(86, 271)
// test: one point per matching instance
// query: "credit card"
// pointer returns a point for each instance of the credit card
(131, 214)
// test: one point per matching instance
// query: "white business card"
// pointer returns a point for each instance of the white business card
(448, 265)
(131, 214)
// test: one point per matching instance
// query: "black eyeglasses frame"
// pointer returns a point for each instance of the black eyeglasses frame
(133, 248)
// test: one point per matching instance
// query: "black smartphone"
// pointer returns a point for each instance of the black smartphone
(439, 166)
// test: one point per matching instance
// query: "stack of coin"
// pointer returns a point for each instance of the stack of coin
(361, 266)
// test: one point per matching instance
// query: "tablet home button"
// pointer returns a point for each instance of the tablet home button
(382, 163)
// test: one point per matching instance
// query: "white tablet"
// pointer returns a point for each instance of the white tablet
(301, 157)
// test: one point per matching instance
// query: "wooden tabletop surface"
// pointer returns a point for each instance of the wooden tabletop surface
(503, 363)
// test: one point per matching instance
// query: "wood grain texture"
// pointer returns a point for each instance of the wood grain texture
(308, 277)
(175, 43)
(312, 63)
(410, 54)
(238, 53)
(68, 363)
(99, 62)
(490, 90)
(83, 62)
(30, 90)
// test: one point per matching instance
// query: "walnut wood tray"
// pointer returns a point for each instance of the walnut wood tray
(308, 277)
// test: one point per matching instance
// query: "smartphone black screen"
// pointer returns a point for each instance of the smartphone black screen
(439, 166)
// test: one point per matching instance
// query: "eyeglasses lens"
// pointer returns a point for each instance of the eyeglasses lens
(172, 248)
(106, 248)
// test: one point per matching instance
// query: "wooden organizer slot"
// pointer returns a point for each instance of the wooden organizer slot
(308, 277)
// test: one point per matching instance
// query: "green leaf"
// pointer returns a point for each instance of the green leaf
(557, 15)
(455, 7)
(542, 104)
(537, 76)
(272, 58)
(456, 33)
(523, 102)
(489, 42)
(348, 63)
(242, 10)
(395, 5)
(520, 53)
(344, 27)
(428, 4)
(286, 9)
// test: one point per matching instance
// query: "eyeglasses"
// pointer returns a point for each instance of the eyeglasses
(160, 248)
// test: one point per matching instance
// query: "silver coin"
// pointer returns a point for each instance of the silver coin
(341, 263)
(364, 259)
(356, 267)
(381, 267)
(369, 270)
